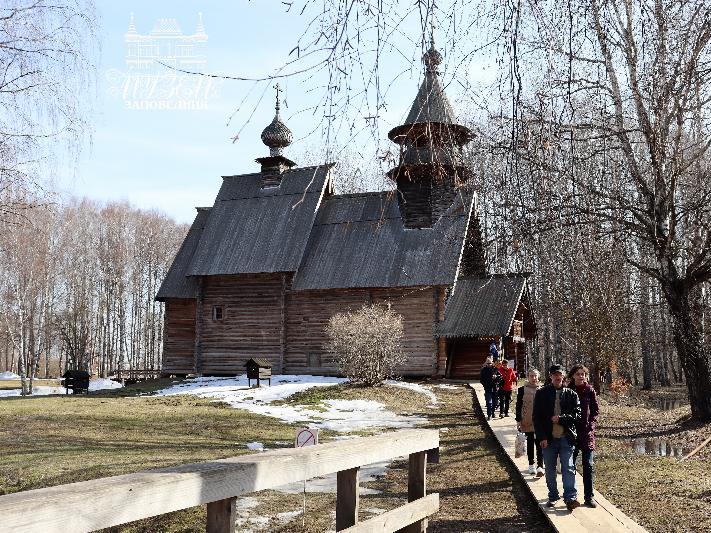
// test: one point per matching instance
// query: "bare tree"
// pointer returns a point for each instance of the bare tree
(47, 65)
(367, 343)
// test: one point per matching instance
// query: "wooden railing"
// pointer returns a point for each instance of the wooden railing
(111, 501)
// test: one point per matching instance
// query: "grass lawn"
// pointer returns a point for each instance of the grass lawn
(56, 440)
(17, 384)
(661, 493)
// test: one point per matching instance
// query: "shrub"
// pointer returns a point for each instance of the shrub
(367, 343)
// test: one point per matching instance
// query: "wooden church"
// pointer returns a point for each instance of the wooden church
(261, 271)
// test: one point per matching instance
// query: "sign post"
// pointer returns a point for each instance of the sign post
(305, 437)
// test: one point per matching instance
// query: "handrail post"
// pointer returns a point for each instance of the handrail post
(347, 498)
(221, 516)
(416, 488)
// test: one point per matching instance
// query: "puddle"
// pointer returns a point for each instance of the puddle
(669, 404)
(658, 447)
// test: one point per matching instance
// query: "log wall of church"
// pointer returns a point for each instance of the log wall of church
(179, 336)
(250, 326)
(308, 313)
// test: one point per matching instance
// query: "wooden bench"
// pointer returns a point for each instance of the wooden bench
(121, 499)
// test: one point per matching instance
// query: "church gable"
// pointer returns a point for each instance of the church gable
(255, 229)
(177, 284)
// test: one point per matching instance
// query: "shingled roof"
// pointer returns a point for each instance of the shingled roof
(360, 241)
(431, 103)
(260, 230)
(482, 306)
(176, 283)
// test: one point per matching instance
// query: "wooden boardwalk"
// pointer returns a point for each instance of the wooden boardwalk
(604, 519)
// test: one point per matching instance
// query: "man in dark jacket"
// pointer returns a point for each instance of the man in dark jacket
(491, 380)
(556, 412)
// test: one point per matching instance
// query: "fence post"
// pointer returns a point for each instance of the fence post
(416, 488)
(221, 516)
(347, 498)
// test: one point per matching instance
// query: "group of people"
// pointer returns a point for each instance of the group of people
(558, 419)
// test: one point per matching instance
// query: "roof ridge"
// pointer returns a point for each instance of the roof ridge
(293, 169)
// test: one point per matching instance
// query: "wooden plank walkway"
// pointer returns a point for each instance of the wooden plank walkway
(605, 518)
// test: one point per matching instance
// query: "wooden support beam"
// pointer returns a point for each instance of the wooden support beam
(399, 517)
(416, 487)
(200, 301)
(347, 498)
(221, 516)
(433, 456)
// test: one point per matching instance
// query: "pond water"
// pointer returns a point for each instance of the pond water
(658, 447)
(668, 404)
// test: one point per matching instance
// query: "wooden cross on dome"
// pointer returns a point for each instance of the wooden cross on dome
(278, 89)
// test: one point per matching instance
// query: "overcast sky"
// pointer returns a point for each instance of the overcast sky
(173, 159)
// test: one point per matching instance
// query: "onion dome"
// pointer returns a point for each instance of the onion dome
(277, 136)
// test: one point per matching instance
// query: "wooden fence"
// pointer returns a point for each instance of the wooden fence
(111, 501)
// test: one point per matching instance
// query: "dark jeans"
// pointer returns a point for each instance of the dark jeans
(530, 441)
(588, 471)
(505, 396)
(492, 401)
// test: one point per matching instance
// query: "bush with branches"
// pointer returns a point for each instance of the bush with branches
(367, 343)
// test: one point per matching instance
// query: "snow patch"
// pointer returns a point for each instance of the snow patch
(255, 446)
(427, 391)
(288, 516)
(40, 390)
(446, 386)
(103, 384)
(339, 415)
(327, 484)
(8, 376)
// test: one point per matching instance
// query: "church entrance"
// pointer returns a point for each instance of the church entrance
(466, 357)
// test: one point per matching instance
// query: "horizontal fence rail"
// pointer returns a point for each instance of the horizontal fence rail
(105, 502)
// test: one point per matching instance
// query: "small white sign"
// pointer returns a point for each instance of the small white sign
(306, 437)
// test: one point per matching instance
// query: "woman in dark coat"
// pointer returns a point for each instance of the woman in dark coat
(590, 409)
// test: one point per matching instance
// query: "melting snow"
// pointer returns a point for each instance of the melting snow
(255, 446)
(8, 376)
(339, 415)
(427, 391)
(40, 390)
(328, 483)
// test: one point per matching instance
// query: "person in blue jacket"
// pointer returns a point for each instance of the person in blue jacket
(493, 351)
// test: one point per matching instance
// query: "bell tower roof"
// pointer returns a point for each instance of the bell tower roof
(431, 107)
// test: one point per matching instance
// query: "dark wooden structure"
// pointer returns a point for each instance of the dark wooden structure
(262, 271)
(482, 310)
(77, 381)
(258, 369)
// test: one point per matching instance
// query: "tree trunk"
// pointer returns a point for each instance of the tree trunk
(695, 362)
(644, 332)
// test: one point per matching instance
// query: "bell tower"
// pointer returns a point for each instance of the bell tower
(431, 165)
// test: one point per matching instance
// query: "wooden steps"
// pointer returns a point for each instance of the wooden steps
(606, 518)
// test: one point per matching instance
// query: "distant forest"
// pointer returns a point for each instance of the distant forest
(77, 287)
